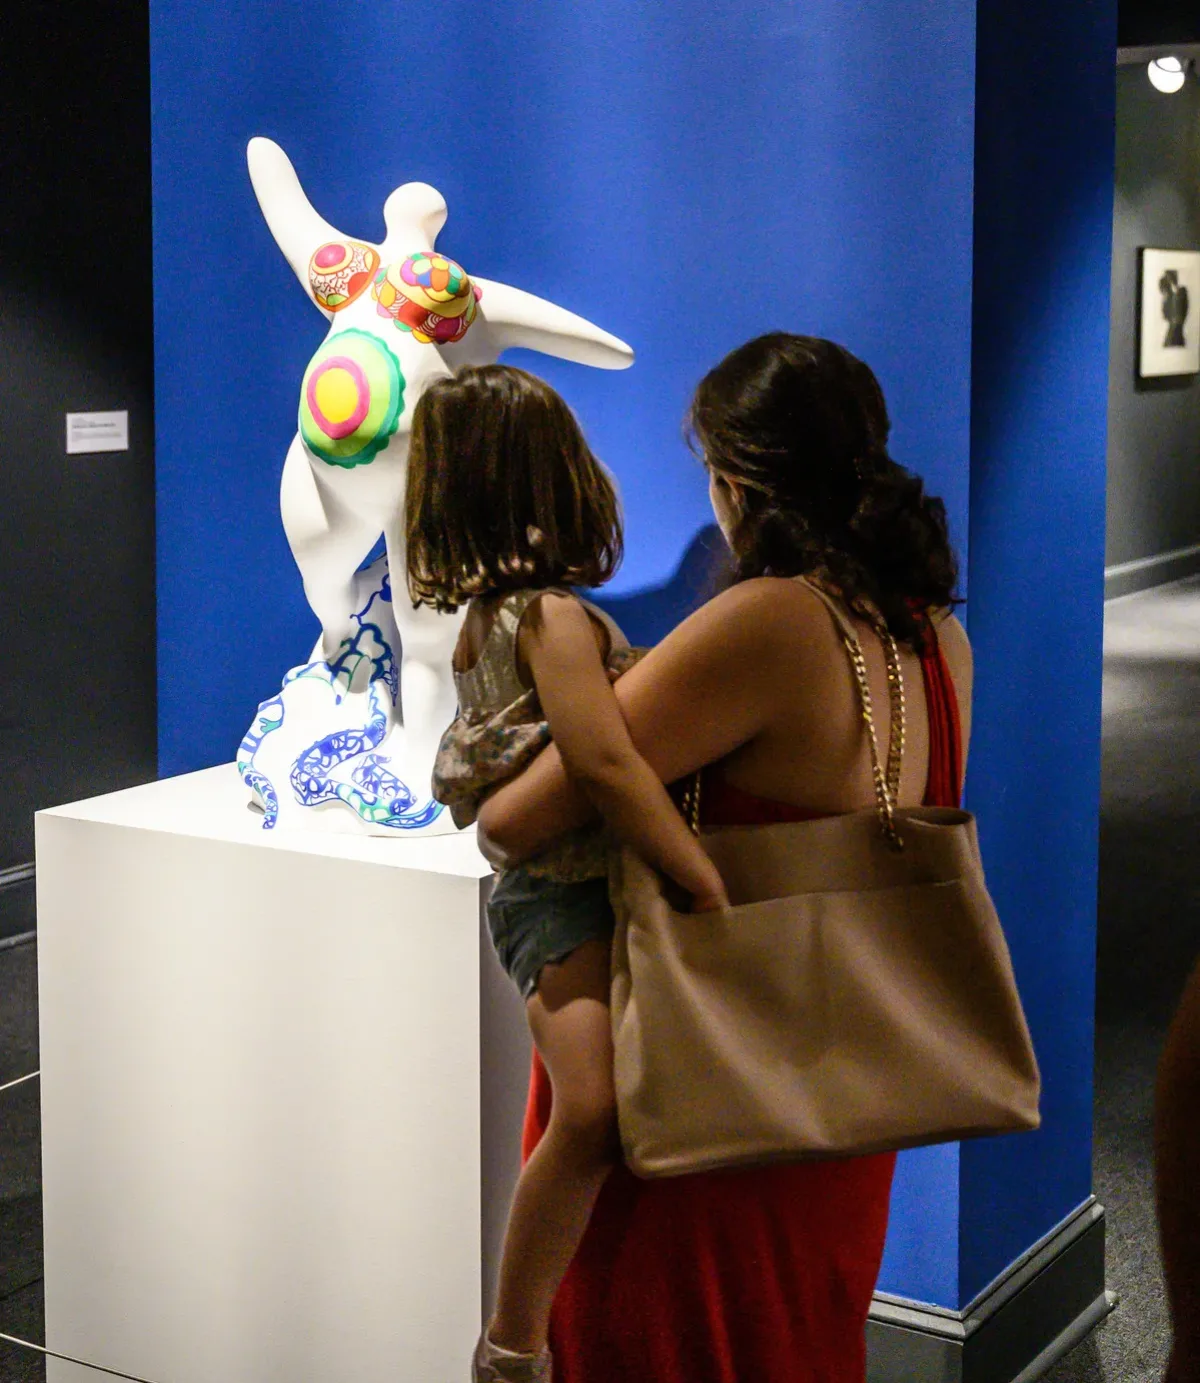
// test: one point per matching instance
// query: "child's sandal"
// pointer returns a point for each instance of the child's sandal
(495, 1365)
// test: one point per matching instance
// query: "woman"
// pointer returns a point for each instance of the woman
(765, 1274)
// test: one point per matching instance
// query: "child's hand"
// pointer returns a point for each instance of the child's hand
(714, 901)
(621, 660)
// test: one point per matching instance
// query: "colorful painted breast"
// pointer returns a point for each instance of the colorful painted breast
(428, 296)
(341, 272)
(351, 399)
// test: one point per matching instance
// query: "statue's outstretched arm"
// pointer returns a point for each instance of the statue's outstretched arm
(291, 218)
(511, 317)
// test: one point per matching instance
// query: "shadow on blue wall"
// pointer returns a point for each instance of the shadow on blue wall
(648, 616)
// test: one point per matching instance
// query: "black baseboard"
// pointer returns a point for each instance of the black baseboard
(1130, 577)
(1014, 1331)
(18, 905)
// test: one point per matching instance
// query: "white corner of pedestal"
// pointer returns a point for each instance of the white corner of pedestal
(261, 1091)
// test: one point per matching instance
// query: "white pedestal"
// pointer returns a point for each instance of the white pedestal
(282, 1084)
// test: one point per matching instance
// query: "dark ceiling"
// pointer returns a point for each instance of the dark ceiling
(1142, 23)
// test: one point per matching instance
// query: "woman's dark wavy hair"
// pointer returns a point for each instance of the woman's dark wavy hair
(800, 425)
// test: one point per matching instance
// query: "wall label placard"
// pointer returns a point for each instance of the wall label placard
(89, 432)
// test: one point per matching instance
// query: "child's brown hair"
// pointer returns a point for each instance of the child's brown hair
(503, 491)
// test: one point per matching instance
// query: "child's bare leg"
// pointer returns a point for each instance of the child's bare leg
(569, 1019)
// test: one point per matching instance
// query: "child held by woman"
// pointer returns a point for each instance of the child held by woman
(507, 512)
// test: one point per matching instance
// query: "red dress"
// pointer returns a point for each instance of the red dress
(762, 1275)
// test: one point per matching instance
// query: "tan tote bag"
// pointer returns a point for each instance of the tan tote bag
(856, 997)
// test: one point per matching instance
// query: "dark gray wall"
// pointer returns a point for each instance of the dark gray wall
(1154, 427)
(77, 705)
(1158, 21)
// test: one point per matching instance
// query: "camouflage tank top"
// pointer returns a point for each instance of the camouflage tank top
(500, 728)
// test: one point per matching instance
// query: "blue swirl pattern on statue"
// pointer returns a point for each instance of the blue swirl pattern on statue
(385, 667)
(375, 779)
(374, 793)
(269, 717)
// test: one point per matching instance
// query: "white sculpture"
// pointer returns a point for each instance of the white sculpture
(349, 742)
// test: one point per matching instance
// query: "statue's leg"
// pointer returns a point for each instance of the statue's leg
(328, 541)
(427, 697)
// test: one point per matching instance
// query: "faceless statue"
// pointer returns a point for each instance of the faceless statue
(349, 742)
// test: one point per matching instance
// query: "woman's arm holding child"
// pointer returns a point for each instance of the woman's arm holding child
(709, 687)
(558, 645)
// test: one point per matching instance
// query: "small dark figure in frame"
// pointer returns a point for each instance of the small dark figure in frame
(1175, 307)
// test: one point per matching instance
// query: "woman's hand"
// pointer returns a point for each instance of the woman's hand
(716, 900)
(703, 881)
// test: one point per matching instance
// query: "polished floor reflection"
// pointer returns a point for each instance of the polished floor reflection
(1149, 938)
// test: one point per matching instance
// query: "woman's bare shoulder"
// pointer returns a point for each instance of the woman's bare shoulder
(952, 636)
(956, 648)
(744, 631)
(764, 603)
(747, 624)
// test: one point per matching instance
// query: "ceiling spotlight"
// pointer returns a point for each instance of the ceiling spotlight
(1167, 74)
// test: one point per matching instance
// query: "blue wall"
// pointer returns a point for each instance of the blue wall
(684, 181)
(1043, 237)
(687, 179)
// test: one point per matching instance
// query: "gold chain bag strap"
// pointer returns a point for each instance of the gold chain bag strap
(887, 785)
(856, 997)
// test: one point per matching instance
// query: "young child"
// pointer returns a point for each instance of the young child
(507, 509)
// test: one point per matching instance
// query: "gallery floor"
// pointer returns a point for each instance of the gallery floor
(1149, 938)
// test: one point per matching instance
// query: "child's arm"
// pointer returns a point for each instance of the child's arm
(558, 645)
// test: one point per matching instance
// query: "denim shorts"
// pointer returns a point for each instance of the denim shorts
(536, 922)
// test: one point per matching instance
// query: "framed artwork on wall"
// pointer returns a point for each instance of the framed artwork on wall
(1169, 297)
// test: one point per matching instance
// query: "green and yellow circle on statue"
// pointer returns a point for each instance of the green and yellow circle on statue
(351, 399)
